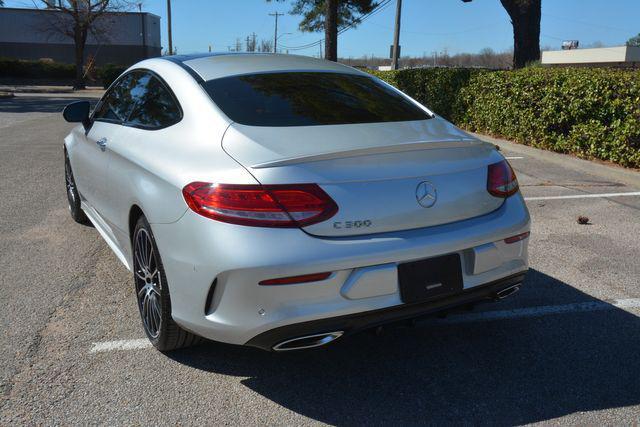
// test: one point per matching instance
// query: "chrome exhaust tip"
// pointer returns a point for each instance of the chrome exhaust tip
(507, 292)
(308, 341)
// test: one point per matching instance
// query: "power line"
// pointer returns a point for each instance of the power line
(352, 24)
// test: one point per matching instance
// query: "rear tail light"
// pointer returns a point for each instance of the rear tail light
(315, 277)
(296, 205)
(501, 180)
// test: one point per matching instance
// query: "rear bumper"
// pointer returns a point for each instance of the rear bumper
(198, 252)
(353, 323)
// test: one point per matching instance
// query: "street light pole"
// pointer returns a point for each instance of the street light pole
(144, 32)
(275, 36)
(396, 37)
(169, 27)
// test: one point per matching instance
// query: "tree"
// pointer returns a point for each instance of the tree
(525, 17)
(77, 19)
(329, 16)
(634, 41)
(265, 46)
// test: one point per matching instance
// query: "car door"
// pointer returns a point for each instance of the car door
(131, 176)
(90, 155)
(94, 154)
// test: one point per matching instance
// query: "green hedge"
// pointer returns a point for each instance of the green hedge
(47, 70)
(590, 112)
(437, 88)
(109, 73)
(35, 69)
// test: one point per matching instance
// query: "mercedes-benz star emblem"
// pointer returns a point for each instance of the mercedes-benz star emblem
(426, 194)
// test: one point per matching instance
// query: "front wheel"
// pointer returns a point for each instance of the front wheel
(152, 292)
(73, 196)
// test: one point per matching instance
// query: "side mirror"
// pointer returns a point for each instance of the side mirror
(77, 112)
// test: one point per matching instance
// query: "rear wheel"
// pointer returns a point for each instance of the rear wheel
(73, 197)
(152, 293)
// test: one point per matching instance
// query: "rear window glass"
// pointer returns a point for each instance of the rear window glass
(309, 99)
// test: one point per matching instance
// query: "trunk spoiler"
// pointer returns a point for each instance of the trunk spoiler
(384, 149)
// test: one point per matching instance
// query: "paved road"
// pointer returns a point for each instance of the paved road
(564, 350)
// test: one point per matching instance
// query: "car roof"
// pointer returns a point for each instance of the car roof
(211, 66)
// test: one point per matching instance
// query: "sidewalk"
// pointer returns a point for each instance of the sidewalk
(92, 91)
(608, 170)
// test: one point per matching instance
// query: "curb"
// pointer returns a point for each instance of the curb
(615, 173)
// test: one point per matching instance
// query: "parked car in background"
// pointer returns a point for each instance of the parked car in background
(282, 202)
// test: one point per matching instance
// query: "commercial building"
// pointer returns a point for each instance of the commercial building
(619, 56)
(119, 38)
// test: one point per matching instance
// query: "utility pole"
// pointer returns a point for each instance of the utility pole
(169, 27)
(275, 37)
(396, 37)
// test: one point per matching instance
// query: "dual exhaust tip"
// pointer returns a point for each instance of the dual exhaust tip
(317, 340)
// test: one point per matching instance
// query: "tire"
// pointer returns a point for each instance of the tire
(152, 293)
(73, 196)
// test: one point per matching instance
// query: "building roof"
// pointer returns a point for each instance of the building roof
(51, 10)
(604, 56)
(216, 65)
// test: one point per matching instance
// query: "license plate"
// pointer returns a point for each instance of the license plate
(430, 278)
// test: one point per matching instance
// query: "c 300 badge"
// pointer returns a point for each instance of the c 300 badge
(352, 224)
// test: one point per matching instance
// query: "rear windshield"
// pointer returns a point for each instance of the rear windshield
(309, 99)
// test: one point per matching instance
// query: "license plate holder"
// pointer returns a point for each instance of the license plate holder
(430, 278)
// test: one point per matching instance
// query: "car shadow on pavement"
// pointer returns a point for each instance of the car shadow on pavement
(503, 372)
(38, 104)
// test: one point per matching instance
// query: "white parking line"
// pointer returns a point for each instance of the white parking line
(483, 316)
(514, 158)
(120, 345)
(584, 196)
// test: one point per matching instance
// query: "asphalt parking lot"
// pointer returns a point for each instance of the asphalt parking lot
(563, 351)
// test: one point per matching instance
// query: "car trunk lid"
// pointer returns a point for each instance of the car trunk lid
(383, 176)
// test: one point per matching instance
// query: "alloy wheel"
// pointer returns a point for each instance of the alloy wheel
(70, 184)
(148, 282)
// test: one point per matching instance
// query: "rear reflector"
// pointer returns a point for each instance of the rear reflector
(315, 277)
(296, 205)
(501, 180)
(517, 238)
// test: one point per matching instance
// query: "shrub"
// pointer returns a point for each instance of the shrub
(49, 70)
(437, 88)
(35, 69)
(109, 73)
(589, 112)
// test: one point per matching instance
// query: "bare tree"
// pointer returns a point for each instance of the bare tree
(77, 19)
(252, 43)
(486, 58)
(265, 46)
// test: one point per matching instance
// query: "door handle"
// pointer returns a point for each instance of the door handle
(102, 143)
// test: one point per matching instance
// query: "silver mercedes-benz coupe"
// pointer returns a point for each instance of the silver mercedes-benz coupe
(282, 202)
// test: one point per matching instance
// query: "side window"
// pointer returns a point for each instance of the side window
(119, 101)
(157, 108)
